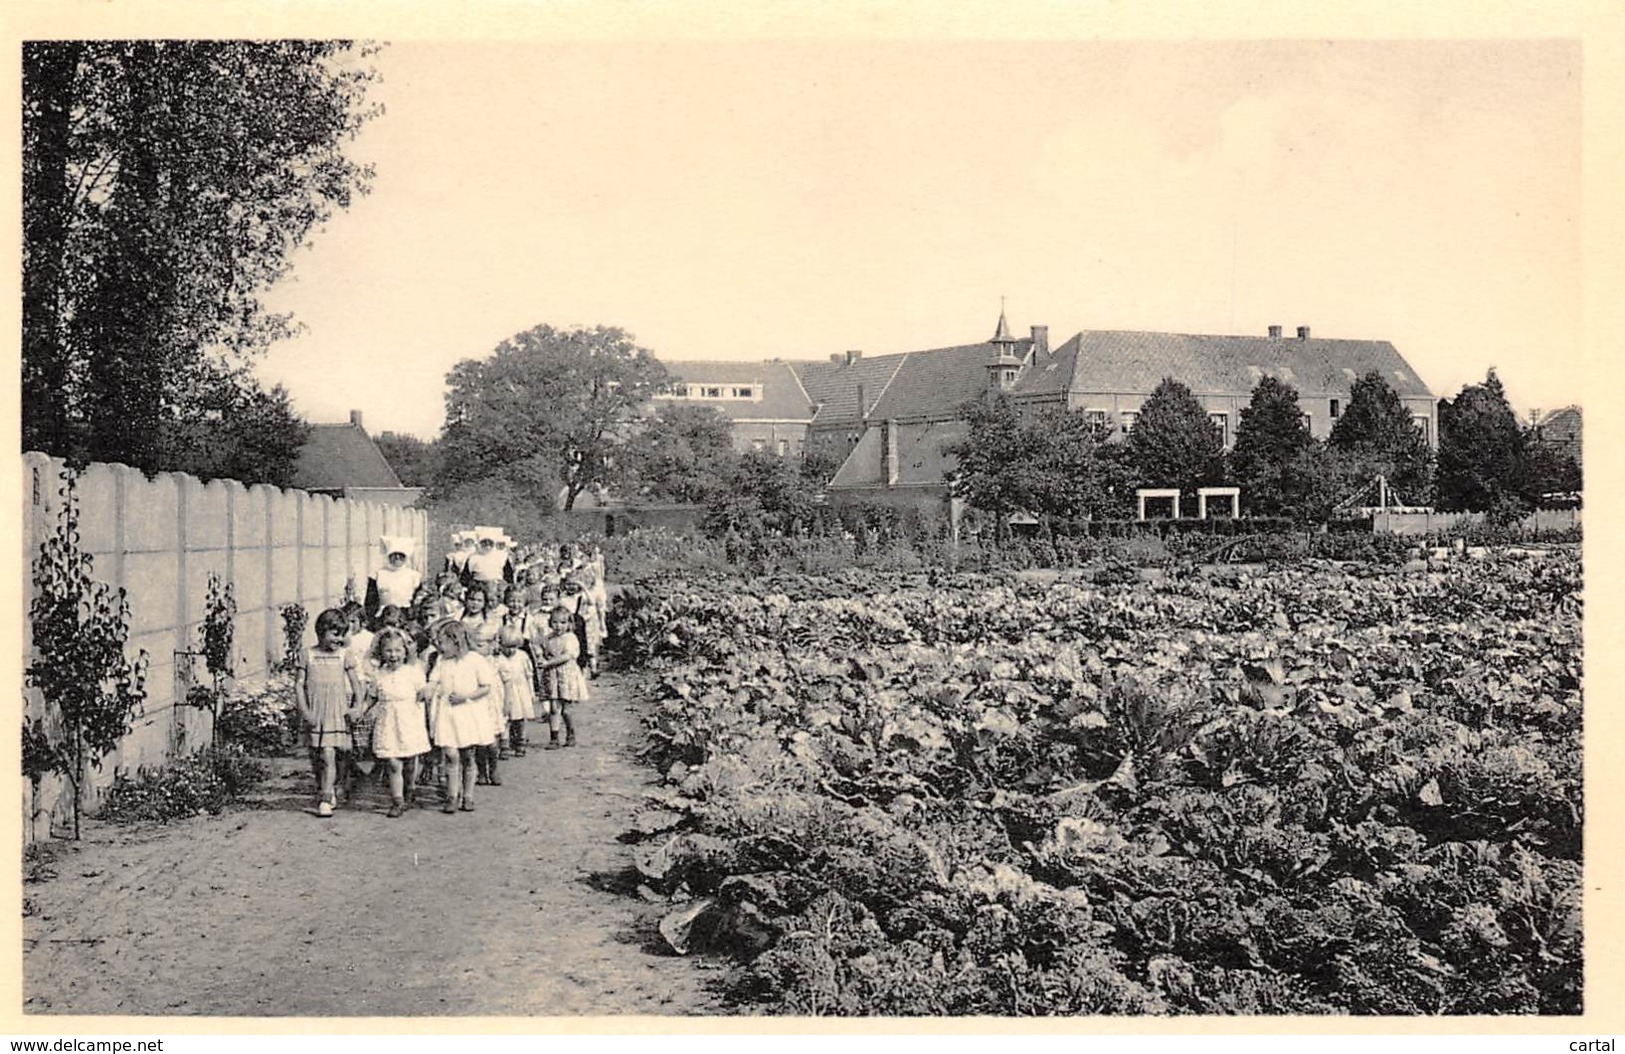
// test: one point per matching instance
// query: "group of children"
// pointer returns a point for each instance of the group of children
(440, 688)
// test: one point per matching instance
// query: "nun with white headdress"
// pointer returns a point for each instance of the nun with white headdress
(463, 546)
(396, 583)
(491, 565)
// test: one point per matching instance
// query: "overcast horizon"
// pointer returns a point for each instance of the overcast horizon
(747, 201)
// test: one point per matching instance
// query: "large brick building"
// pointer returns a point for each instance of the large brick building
(895, 446)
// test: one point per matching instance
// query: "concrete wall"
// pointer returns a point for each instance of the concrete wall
(159, 539)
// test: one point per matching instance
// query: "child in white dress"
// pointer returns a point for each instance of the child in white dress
(518, 677)
(398, 691)
(463, 681)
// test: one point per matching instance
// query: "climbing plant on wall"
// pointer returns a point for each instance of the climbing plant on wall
(91, 686)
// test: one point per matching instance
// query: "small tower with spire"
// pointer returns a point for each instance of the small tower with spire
(1006, 365)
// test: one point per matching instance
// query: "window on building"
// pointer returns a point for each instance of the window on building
(1308, 424)
(742, 393)
(1127, 419)
(1335, 409)
(1421, 423)
(1221, 424)
(1095, 419)
(784, 447)
(712, 393)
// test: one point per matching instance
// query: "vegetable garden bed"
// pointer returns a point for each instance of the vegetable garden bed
(1315, 789)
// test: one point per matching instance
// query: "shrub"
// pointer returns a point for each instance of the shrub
(258, 721)
(204, 782)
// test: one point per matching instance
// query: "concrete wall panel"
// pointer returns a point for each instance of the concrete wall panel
(98, 513)
(150, 514)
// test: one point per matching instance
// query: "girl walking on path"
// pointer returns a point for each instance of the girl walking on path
(463, 681)
(563, 683)
(327, 689)
(518, 676)
(399, 690)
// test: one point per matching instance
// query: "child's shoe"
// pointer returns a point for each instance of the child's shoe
(570, 738)
(325, 809)
(396, 808)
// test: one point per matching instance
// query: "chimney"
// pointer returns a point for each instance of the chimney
(836, 357)
(1275, 332)
(863, 412)
(888, 445)
(853, 356)
(355, 419)
(1040, 342)
(1303, 332)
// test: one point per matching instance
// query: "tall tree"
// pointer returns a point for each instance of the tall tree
(682, 454)
(1174, 443)
(229, 427)
(1377, 429)
(1269, 440)
(1481, 449)
(416, 462)
(166, 184)
(994, 463)
(549, 409)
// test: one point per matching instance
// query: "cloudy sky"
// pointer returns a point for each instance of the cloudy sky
(748, 200)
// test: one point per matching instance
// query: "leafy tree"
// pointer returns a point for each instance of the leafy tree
(764, 494)
(995, 463)
(1174, 444)
(166, 184)
(416, 463)
(80, 628)
(1055, 465)
(549, 408)
(1269, 441)
(818, 466)
(229, 427)
(1376, 428)
(1547, 471)
(1481, 449)
(683, 454)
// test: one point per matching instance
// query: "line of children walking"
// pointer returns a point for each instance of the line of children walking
(442, 689)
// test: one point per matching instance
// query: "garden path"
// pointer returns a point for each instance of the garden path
(516, 909)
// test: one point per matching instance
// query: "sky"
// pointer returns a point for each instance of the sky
(749, 200)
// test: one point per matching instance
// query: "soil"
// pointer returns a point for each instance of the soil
(524, 907)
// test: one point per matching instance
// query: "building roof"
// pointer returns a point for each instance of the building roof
(1560, 426)
(1136, 362)
(921, 457)
(782, 396)
(340, 456)
(937, 384)
(834, 386)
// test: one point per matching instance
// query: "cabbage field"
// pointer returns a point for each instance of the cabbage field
(1320, 788)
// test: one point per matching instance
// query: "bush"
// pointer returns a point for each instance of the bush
(204, 782)
(258, 721)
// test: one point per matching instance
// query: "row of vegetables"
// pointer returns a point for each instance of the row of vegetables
(1314, 789)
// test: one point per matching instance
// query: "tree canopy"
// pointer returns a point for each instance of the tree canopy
(1269, 442)
(548, 410)
(1174, 443)
(1377, 429)
(1054, 465)
(682, 454)
(1481, 449)
(165, 185)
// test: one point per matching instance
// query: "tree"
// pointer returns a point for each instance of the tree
(1174, 443)
(80, 628)
(1377, 429)
(1056, 465)
(683, 454)
(994, 463)
(416, 463)
(1269, 441)
(764, 494)
(166, 184)
(1481, 449)
(548, 408)
(1547, 471)
(227, 427)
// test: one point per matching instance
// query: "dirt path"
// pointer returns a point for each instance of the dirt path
(513, 910)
